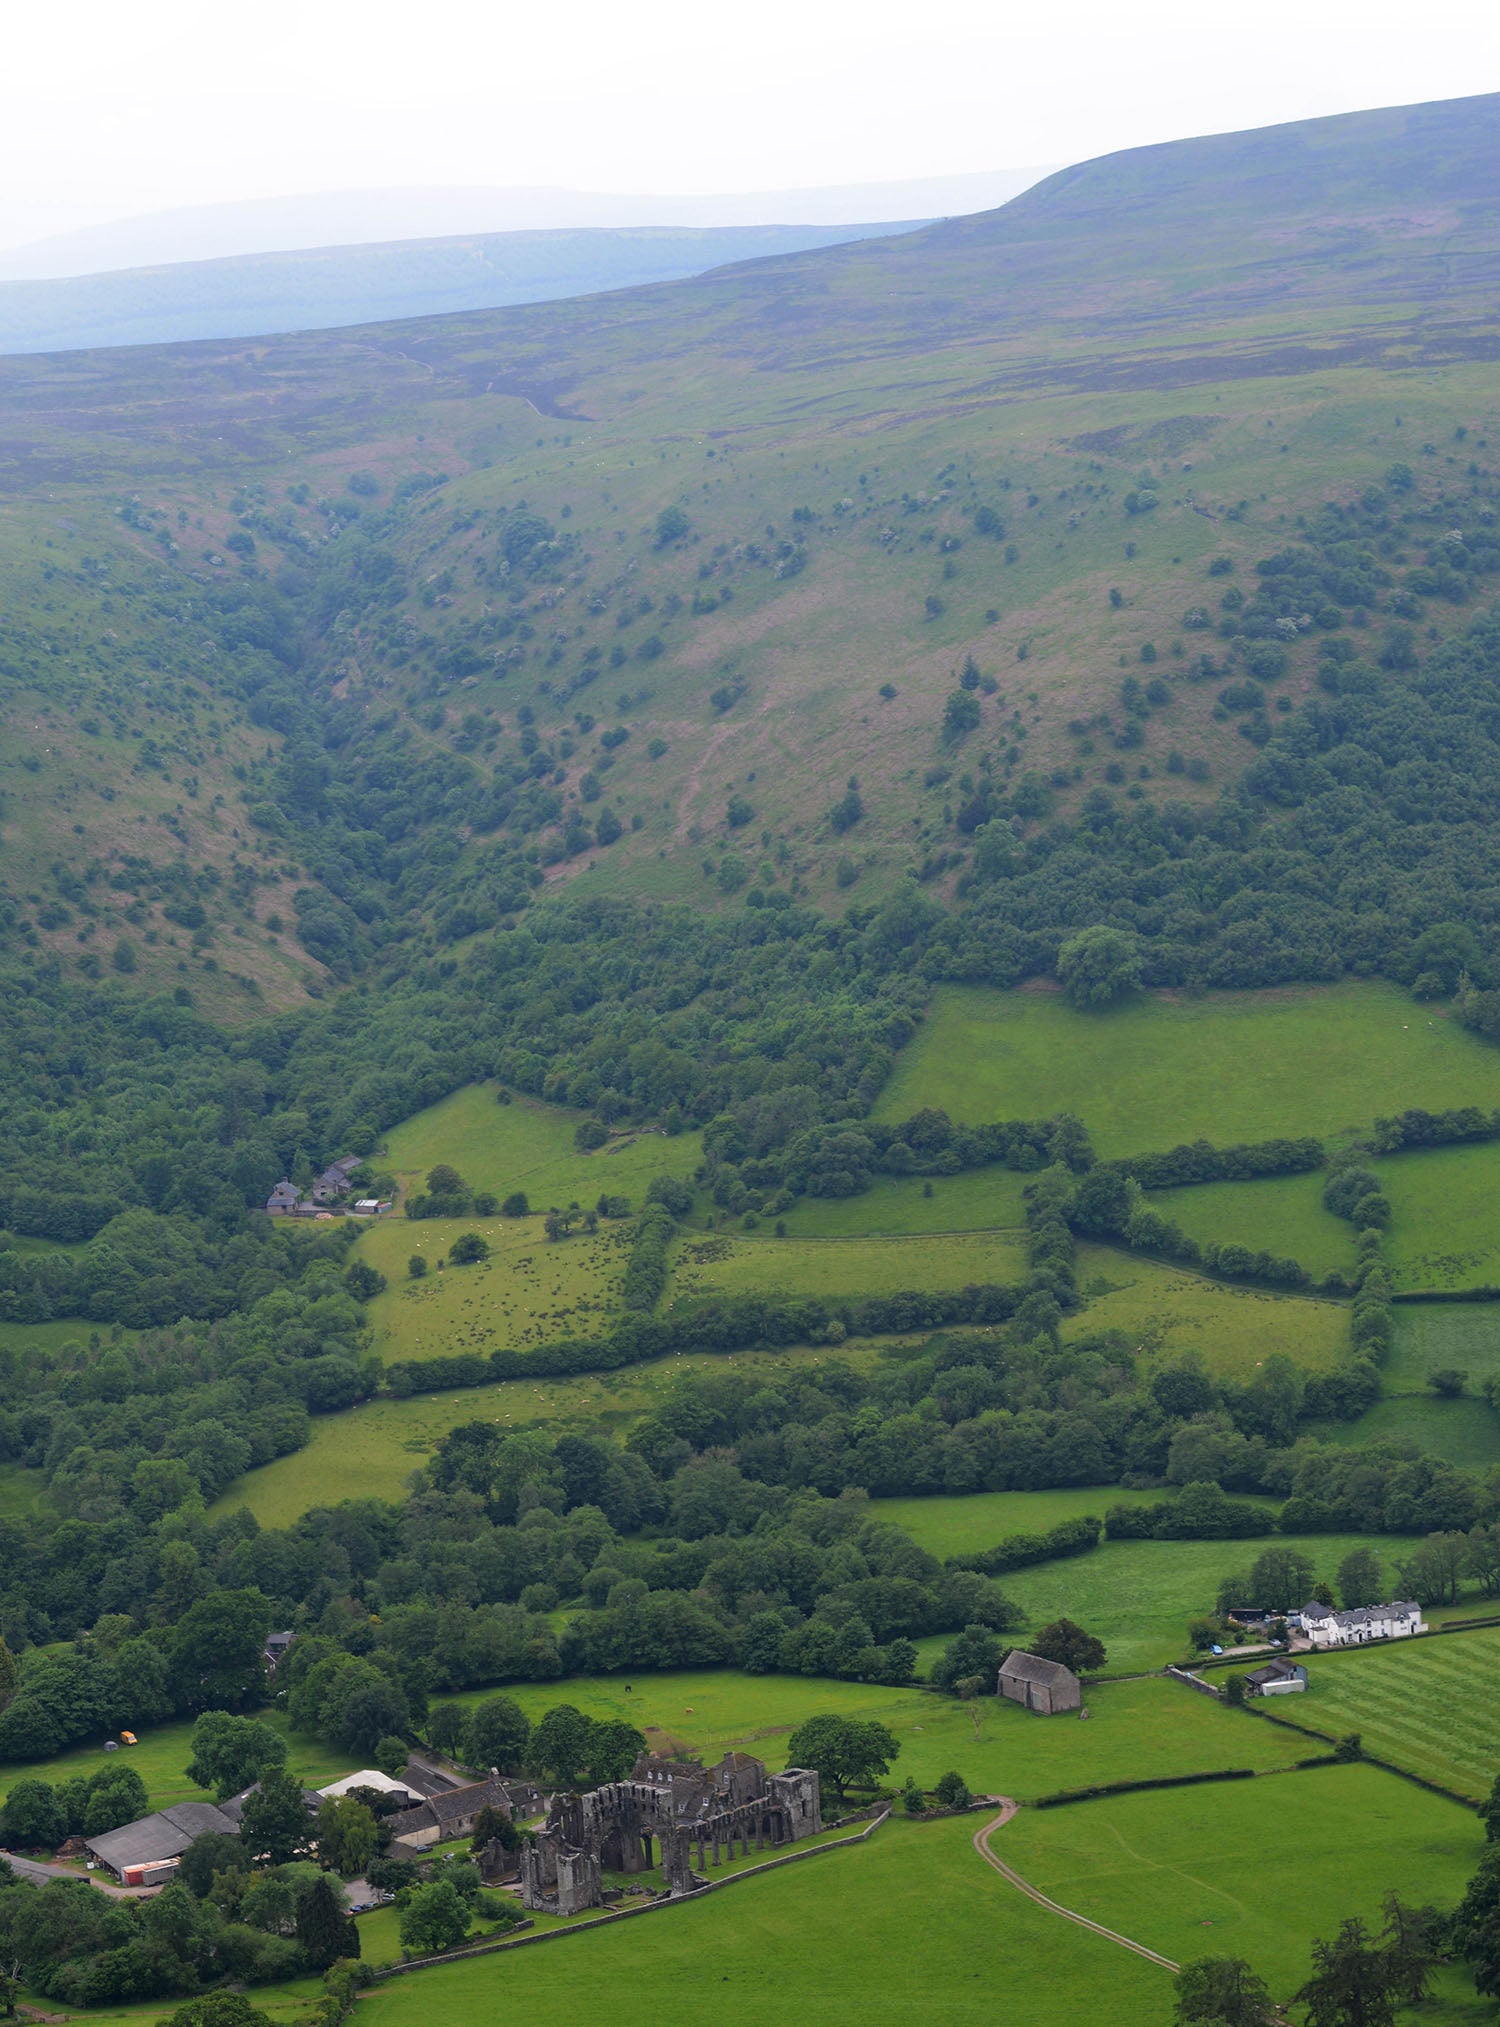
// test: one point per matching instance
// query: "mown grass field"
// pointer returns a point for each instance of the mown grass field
(1280, 1214)
(527, 1145)
(1429, 1705)
(843, 1267)
(1139, 1729)
(1164, 1069)
(1165, 1311)
(1444, 1232)
(1247, 1870)
(953, 1526)
(371, 1451)
(165, 1750)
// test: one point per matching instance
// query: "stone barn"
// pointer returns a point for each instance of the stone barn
(1039, 1685)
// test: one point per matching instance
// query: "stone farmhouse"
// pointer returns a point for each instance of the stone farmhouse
(445, 1812)
(331, 1187)
(693, 1813)
(1044, 1686)
(1324, 1627)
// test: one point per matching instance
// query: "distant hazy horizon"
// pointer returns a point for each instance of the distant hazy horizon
(376, 217)
(110, 116)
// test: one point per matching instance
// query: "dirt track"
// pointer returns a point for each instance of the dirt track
(982, 1846)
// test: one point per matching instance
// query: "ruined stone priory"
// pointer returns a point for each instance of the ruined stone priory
(698, 1815)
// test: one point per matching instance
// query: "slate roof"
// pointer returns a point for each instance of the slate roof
(167, 1834)
(1360, 1615)
(1023, 1667)
(1274, 1671)
(449, 1805)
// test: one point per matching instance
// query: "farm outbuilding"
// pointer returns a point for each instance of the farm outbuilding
(1045, 1686)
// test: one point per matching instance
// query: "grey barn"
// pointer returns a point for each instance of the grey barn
(1037, 1684)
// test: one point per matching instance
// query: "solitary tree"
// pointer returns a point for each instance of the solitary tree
(434, 1917)
(844, 1751)
(1099, 966)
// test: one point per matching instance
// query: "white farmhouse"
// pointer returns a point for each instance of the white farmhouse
(1325, 1627)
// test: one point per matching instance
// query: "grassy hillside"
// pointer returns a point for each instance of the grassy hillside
(1019, 441)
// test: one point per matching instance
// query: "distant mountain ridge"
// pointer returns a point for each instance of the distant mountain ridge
(322, 288)
(381, 217)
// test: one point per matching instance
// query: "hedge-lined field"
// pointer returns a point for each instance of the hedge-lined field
(1280, 1214)
(1167, 1068)
(977, 1199)
(1429, 1705)
(1429, 1335)
(369, 1452)
(530, 1290)
(973, 1520)
(1245, 1869)
(1463, 1432)
(1443, 1229)
(855, 1267)
(1166, 1311)
(527, 1145)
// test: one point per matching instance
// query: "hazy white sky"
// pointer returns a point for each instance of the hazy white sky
(110, 109)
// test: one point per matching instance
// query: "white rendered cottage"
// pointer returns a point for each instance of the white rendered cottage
(1325, 1627)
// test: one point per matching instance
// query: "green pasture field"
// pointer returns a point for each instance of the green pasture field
(1246, 1870)
(370, 1451)
(955, 1526)
(844, 1267)
(1444, 1231)
(1281, 1214)
(1138, 1596)
(1427, 1337)
(66, 1330)
(820, 1941)
(529, 1146)
(529, 1291)
(979, 1199)
(1463, 1432)
(1427, 1705)
(1135, 1730)
(1167, 1068)
(22, 1492)
(1430, 1335)
(1166, 1311)
(165, 1750)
